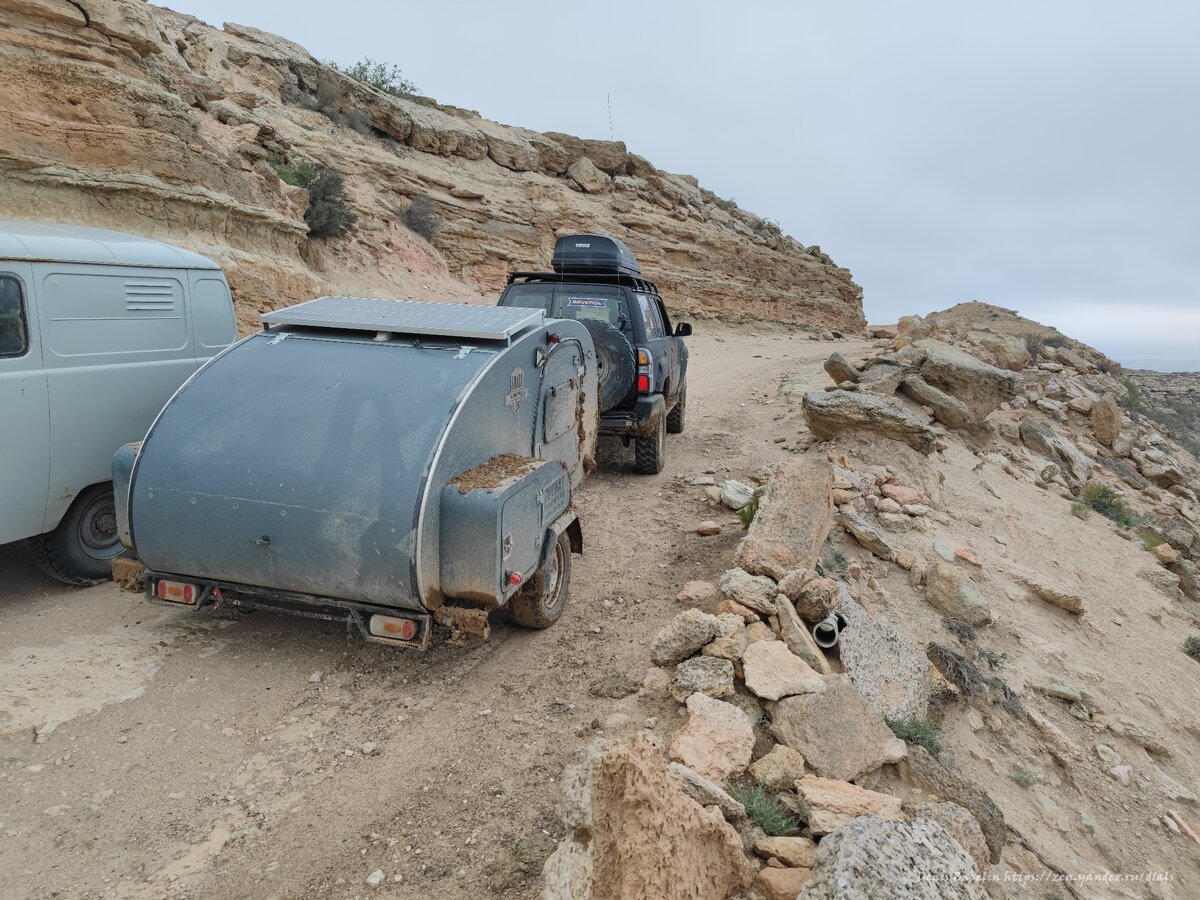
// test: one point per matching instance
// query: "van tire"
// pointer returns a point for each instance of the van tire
(539, 604)
(676, 415)
(650, 453)
(81, 549)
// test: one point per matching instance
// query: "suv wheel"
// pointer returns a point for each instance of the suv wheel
(650, 453)
(81, 549)
(675, 416)
(539, 604)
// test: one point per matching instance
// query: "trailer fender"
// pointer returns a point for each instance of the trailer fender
(568, 522)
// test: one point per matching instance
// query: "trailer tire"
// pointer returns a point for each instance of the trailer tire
(650, 453)
(539, 604)
(80, 551)
(616, 365)
(676, 415)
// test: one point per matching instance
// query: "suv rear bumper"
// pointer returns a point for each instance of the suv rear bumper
(638, 422)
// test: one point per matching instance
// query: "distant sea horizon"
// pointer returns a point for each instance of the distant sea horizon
(1162, 365)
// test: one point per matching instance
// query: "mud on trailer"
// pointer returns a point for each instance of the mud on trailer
(389, 463)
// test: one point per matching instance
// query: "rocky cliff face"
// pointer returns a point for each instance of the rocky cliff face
(124, 115)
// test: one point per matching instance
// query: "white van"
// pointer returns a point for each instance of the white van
(97, 330)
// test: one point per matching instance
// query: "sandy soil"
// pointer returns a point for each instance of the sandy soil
(146, 752)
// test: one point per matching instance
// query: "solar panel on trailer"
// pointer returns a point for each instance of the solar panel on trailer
(408, 317)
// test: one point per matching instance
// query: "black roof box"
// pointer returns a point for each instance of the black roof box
(593, 253)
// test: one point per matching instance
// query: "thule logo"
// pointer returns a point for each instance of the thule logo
(582, 246)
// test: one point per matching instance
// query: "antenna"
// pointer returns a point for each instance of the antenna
(610, 125)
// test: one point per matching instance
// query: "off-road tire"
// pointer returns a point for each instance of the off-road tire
(616, 364)
(650, 453)
(80, 550)
(540, 603)
(676, 415)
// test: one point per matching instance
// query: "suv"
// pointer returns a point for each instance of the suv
(641, 360)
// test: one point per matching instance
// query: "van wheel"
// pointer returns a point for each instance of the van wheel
(81, 549)
(675, 416)
(650, 453)
(539, 604)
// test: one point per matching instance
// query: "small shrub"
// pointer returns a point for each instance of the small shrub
(728, 205)
(330, 96)
(329, 213)
(381, 76)
(421, 217)
(833, 563)
(1150, 540)
(1055, 340)
(766, 810)
(299, 174)
(918, 731)
(1105, 501)
(1024, 778)
(749, 511)
(1192, 647)
(992, 658)
(1081, 511)
(357, 120)
(1034, 344)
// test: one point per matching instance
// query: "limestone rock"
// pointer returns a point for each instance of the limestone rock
(925, 771)
(911, 328)
(836, 731)
(831, 413)
(757, 592)
(797, 637)
(779, 769)
(781, 884)
(772, 671)
(949, 590)
(696, 593)
(705, 792)
(948, 410)
(816, 599)
(867, 535)
(883, 380)
(634, 833)
(1072, 603)
(1075, 467)
(840, 370)
(875, 859)
(889, 672)
(707, 674)
(979, 386)
(1009, 352)
(1106, 419)
(793, 519)
(585, 174)
(796, 852)
(833, 803)
(717, 739)
(960, 825)
(682, 636)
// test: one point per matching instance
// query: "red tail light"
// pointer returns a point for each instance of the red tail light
(394, 627)
(643, 384)
(175, 591)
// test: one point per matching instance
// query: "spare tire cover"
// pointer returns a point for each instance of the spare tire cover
(615, 362)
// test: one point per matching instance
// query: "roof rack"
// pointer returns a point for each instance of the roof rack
(645, 285)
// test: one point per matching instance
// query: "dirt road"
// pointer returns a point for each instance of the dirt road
(146, 752)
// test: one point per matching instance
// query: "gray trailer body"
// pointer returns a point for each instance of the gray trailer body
(378, 453)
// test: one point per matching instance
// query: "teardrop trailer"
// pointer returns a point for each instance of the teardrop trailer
(387, 463)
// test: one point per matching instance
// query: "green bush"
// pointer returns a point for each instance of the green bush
(749, 511)
(766, 810)
(1055, 340)
(381, 76)
(728, 205)
(1024, 778)
(1150, 540)
(421, 217)
(918, 731)
(833, 563)
(1105, 501)
(1081, 510)
(329, 213)
(1192, 647)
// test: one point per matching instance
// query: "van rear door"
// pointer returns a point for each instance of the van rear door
(24, 409)
(213, 324)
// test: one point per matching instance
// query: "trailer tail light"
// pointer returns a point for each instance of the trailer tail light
(514, 578)
(394, 628)
(176, 592)
(645, 361)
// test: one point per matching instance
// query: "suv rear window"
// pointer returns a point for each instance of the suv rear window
(14, 335)
(572, 301)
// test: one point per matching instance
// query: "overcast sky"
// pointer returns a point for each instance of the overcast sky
(1044, 156)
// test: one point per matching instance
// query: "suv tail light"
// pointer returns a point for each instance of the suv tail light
(645, 361)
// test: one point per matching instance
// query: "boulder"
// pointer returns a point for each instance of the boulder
(781, 883)
(832, 803)
(911, 328)
(840, 370)
(1106, 419)
(682, 636)
(772, 671)
(1072, 603)
(696, 593)
(882, 379)
(793, 519)
(960, 825)
(589, 178)
(780, 769)
(873, 858)
(633, 833)
(1009, 352)
(705, 674)
(920, 768)
(708, 793)
(756, 592)
(1041, 439)
(867, 535)
(816, 599)
(836, 731)
(948, 410)
(887, 671)
(792, 631)
(796, 852)
(831, 413)
(716, 741)
(949, 590)
(979, 386)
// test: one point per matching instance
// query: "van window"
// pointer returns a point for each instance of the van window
(652, 317)
(14, 333)
(212, 314)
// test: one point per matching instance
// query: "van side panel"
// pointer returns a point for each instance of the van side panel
(213, 325)
(24, 413)
(117, 343)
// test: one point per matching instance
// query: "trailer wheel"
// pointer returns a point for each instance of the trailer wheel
(650, 453)
(81, 549)
(539, 604)
(676, 415)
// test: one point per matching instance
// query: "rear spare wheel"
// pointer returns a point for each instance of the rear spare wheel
(616, 365)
